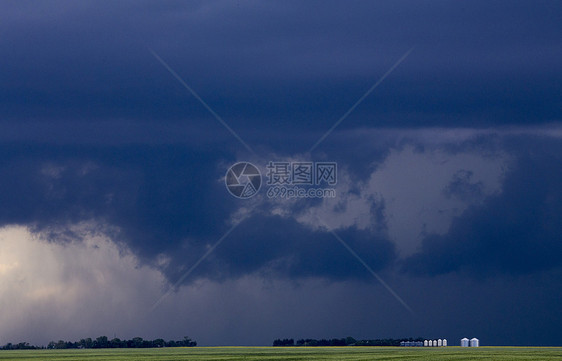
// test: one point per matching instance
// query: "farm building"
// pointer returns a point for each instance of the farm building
(432, 343)
(464, 342)
(474, 342)
(411, 343)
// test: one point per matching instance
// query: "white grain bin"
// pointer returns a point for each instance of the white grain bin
(474, 342)
(425, 343)
(444, 342)
(434, 343)
(464, 342)
(440, 342)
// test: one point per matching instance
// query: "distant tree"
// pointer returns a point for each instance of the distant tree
(188, 342)
(312, 342)
(135, 342)
(338, 342)
(60, 345)
(159, 343)
(284, 342)
(147, 344)
(116, 343)
(101, 342)
(346, 342)
(171, 343)
(86, 343)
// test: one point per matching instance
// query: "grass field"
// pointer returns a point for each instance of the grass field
(293, 353)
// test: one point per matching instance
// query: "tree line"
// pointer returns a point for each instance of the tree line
(348, 341)
(104, 342)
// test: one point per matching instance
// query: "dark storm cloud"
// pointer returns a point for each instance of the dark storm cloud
(155, 195)
(94, 129)
(281, 247)
(518, 231)
(292, 65)
(170, 200)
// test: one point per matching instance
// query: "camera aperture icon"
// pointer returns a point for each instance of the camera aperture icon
(243, 180)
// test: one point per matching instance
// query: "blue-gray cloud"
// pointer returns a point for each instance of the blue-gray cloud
(94, 129)
(294, 66)
(517, 231)
(283, 248)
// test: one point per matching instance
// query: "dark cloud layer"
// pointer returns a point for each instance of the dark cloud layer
(155, 195)
(94, 129)
(162, 198)
(170, 200)
(279, 247)
(292, 65)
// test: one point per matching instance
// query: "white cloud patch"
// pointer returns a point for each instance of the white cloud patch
(414, 185)
(71, 289)
(417, 189)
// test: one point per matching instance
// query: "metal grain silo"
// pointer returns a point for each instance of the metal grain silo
(444, 342)
(474, 342)
(425, 343)
(464, 342)
(440, 342)
(434, 343)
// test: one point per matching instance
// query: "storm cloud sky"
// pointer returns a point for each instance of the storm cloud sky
(115, 218)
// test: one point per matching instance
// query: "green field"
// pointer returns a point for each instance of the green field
(293, 353)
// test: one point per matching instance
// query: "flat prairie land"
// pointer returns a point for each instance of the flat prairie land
(292, 353)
